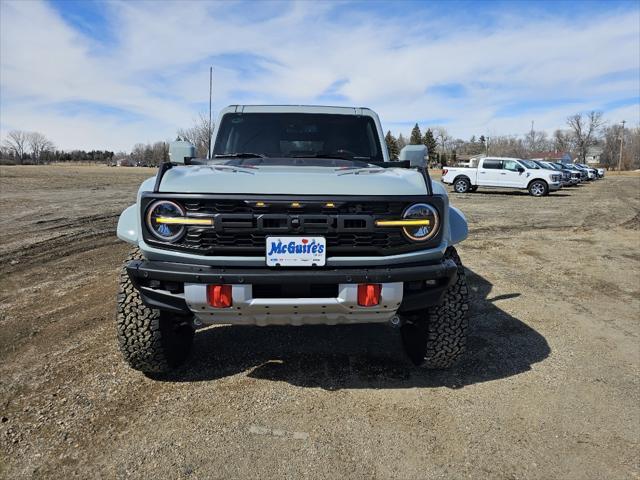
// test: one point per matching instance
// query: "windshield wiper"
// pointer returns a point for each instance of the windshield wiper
(240, 155)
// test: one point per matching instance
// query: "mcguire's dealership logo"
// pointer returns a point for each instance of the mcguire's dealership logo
(295, 247)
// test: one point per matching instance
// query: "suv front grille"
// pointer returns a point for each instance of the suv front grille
(241, 227)
(240, 243)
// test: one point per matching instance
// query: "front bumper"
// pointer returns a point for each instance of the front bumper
(554, 186)
(181, 288)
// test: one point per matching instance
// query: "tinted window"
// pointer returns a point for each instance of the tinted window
(530, 164)
(298, 134)
(510, 165)
(492, 164)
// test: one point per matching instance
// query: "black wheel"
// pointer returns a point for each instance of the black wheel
(473, 189)
(437, 337)
(462, 185)
(150, 340)
(538, 188)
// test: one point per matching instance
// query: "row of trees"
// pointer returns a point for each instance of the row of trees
(19, 146)
(583, 133)
(17, 151)
(34, 148)
(149, 155)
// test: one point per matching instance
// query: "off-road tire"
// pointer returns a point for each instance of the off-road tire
(538, 188)
(462, 185)
(150, 340)
(437, 338)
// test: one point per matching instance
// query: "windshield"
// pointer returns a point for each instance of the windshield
(529, 164)
(299, 135)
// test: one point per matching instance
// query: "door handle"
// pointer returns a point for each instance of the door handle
(502, 173)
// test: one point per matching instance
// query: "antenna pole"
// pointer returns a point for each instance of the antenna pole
(210, 93)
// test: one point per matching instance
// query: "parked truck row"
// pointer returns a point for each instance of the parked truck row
(537, 176)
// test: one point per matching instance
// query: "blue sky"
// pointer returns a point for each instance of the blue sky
(110, 74)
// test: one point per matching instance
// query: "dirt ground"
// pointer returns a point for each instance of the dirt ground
(549, 389)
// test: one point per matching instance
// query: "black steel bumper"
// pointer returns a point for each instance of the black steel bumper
(160, 283)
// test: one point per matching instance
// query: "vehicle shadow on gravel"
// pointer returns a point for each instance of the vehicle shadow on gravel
(365, 356)
(517, 193)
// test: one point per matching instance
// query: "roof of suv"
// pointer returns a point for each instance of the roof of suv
(298, 109)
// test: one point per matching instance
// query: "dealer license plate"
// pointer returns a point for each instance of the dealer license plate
(296, 251)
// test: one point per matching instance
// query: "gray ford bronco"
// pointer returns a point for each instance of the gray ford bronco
(299, 217)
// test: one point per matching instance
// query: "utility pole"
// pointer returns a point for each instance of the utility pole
(532, 138)
(621, 145)
(209, 126)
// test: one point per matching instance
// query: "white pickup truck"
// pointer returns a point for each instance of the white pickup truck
(503, 172)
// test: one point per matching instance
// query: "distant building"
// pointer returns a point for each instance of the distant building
(593, 155)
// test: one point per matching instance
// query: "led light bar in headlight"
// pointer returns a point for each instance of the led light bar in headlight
(184, 221)
(425, 213)
(164, 220)
(402, 223)
(420, 222)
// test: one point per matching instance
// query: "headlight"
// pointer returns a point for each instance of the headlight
(423, 230)
(163, 219)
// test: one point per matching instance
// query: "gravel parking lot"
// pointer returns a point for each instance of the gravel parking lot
(549, 388)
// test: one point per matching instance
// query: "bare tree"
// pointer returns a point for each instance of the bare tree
(536, 141)
(16, 142)
(611, 146)
(38, 144)
(584, 130)
(507, 146)
(631, 150)
(443, 138)
(562, 141)
(160, 152)
(613, 140)
(199, 135)
(137, 154)
(457, 145)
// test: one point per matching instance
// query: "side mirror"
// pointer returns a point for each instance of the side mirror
(416, 154)
(181, 152)
(521, 169)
